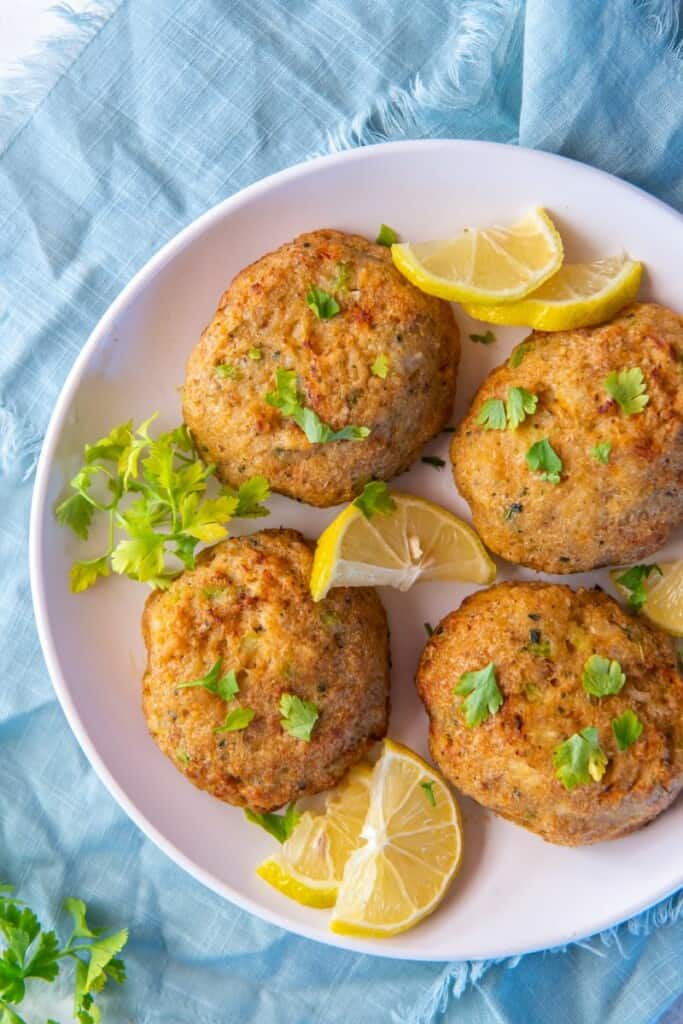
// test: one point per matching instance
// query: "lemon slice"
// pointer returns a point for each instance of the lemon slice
(497, 264)
(578, 295)
(664, 596)
(310, 864)
(418, 540)
(412, 849)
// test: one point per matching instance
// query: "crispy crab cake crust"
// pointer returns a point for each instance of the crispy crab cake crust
(599, 514)
(248, 603)
(506, 763)
(264, 310)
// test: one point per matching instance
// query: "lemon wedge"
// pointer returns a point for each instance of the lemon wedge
(578, 295)
(663, 596)
(485, 265)
(418, 540)
(309, 866)
(412, 849)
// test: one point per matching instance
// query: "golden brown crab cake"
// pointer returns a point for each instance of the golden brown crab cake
(247, 605)
(539, 636)
(620, 489)
(263, 324)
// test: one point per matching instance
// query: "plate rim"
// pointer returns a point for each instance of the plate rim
(137, 283)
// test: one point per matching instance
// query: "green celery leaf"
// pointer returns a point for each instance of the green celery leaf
(492, 414)
(386, 236)
(520, 404)
(601, 452)
(482, 694)
(78, 909)
(298, 716)
(76, 512)
(543, 458)
(627, 387)
(375, 498)
(580, 759)
(627, 728)
(236, 720)
(280, 826)
(634, 580)
(320, 302)
(380, 367)
(83, 574)
(602, 677)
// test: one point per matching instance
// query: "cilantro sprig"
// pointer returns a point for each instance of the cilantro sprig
(482, 694)
(628, 389)
(30, 953)
(633, 580)
(298, 716)
(152, 493)
(580, 759)
(289, 400)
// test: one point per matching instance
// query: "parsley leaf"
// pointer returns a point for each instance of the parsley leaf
(155, 504)
(483, 339)
(492, 414)
(213, 682)
(380, 367)
(386, 236)
(601, 452)
(602, 677)
(235, 720)
(518, 355)
(320, 302)
(375, 497)
(627, 387)
(434, 460)
(288, 399)
(520, 404)
(542, 457)
(634, 580)
(429, 791)
(298, 716)
(483, 695)
(280, 826)
(580, 759)
(627, 728)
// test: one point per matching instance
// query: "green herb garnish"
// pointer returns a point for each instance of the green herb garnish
(298, 716)
(520, 404)
(580, 759)
(483, 339)
(627, 728)
(627, 387)
(543, 458)
(342, 280)
(380, 367)
(280, 826)
(255, 354)
(602, 677)
(537, 646)
(222, 686)
(288, 399)
(151, 490)
(228, 371)
(482, 694)
(434, 460)
(492, 414)
(31, 952)
(320, 302)
(386, 236)
(236, 720)
(375, 497)
(634, 581)
(428, 629)
(518, 354)
(513, 510)
(429, 791)
(601, 452)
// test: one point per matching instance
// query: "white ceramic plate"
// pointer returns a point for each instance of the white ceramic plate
(515, 892)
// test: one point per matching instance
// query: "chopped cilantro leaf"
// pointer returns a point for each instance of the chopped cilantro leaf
(518, 355)
(543, 458)
(235, 720)
(492, 414)
(483, 339)
(627, 387)
(320, 302)
(280, 826)
(520, 404)
(213, 682)
(288, 400)
(627, 728)
(375, 497)
(380, 367)
(601, 452)
(482, 694)
(602, 677)
(228, 371)
(580, 759)
(298, 716)
(429, 791)
(386, 236)
(634, 580)
(434, 460)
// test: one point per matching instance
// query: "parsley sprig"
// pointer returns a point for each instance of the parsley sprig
(153, 492)
(602, 677)
(580, 759)
(627, 728)
(482, 694)
(31, 953)
(627, 387)
(289, 400)
(543, 458)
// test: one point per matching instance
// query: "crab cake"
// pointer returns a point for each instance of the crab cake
(539, 637)
(619, 490)
(246, 608)
(386, 361)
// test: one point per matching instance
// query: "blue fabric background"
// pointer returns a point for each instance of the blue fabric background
(151, 112)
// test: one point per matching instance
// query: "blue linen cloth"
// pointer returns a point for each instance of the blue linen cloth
(149, 112)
